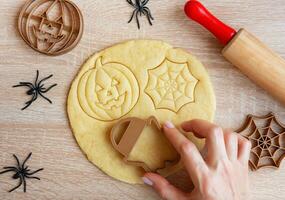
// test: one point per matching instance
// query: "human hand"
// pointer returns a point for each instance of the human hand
(222, 174)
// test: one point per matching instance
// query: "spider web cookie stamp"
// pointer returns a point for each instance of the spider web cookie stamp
(108, 91)
(171, 85)
(267, 136)
(52, 27)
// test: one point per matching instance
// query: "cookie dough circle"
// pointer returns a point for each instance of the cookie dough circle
(137, 78)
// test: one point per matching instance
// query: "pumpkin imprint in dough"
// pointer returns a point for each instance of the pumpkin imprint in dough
(52, 27)
(108, 91)
(171, 85)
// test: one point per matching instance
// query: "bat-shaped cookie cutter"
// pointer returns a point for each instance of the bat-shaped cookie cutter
(126, 143)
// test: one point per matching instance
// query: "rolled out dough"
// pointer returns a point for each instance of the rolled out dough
(138, 78)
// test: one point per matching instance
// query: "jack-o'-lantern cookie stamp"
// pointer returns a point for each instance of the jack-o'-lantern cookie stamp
(119, 88)
(267, 136)
(51, 27)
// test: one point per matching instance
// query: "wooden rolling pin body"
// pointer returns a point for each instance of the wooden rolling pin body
(258, 62)
(243, 50)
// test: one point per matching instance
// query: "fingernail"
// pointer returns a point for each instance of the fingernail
(169, 124)
(147, 181)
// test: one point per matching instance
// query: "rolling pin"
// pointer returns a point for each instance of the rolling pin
(244, 50)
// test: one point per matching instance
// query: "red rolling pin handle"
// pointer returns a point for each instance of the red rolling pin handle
(196, 11)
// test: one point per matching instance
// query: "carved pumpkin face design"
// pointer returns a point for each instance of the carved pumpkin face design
(48, 34)
(52, 27)
(108, 91)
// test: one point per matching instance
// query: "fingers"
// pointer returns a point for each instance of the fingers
(190, 155)
(244, 147)
(231, 143)
(214, 137)
(163, 187)
(174, 136)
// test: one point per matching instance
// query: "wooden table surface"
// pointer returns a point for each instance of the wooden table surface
(44, 130)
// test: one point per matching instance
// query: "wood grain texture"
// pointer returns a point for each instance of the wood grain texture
(259, 63)
(44, 129)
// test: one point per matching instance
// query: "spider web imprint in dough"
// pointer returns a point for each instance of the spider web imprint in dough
(171, 85)
(267, 136)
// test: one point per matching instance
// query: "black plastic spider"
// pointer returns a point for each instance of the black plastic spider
(140, 8)
(36, 89)
(22, 172)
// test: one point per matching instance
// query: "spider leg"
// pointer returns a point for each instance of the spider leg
(138, 3)
(45, 98)
(37, 77)
(35, 172)
(9, 170)
(27, 83)
(28, 103)
(137, 19)
(46, 90)
(30, 154)
(132, 15)
(32, 177)
(20, 183)
(18, 162)
(144, 2)
(24, 181)
(148, 17)
(130, 2)
(149, 12)
(42, 86)
(24, 84)
(44, 79)
(18, 86)
(15, 86)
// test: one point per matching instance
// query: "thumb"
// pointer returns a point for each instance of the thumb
(163, 187)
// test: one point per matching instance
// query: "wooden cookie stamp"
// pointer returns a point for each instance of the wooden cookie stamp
(51, 27)
(125, 143)
(267, 136)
